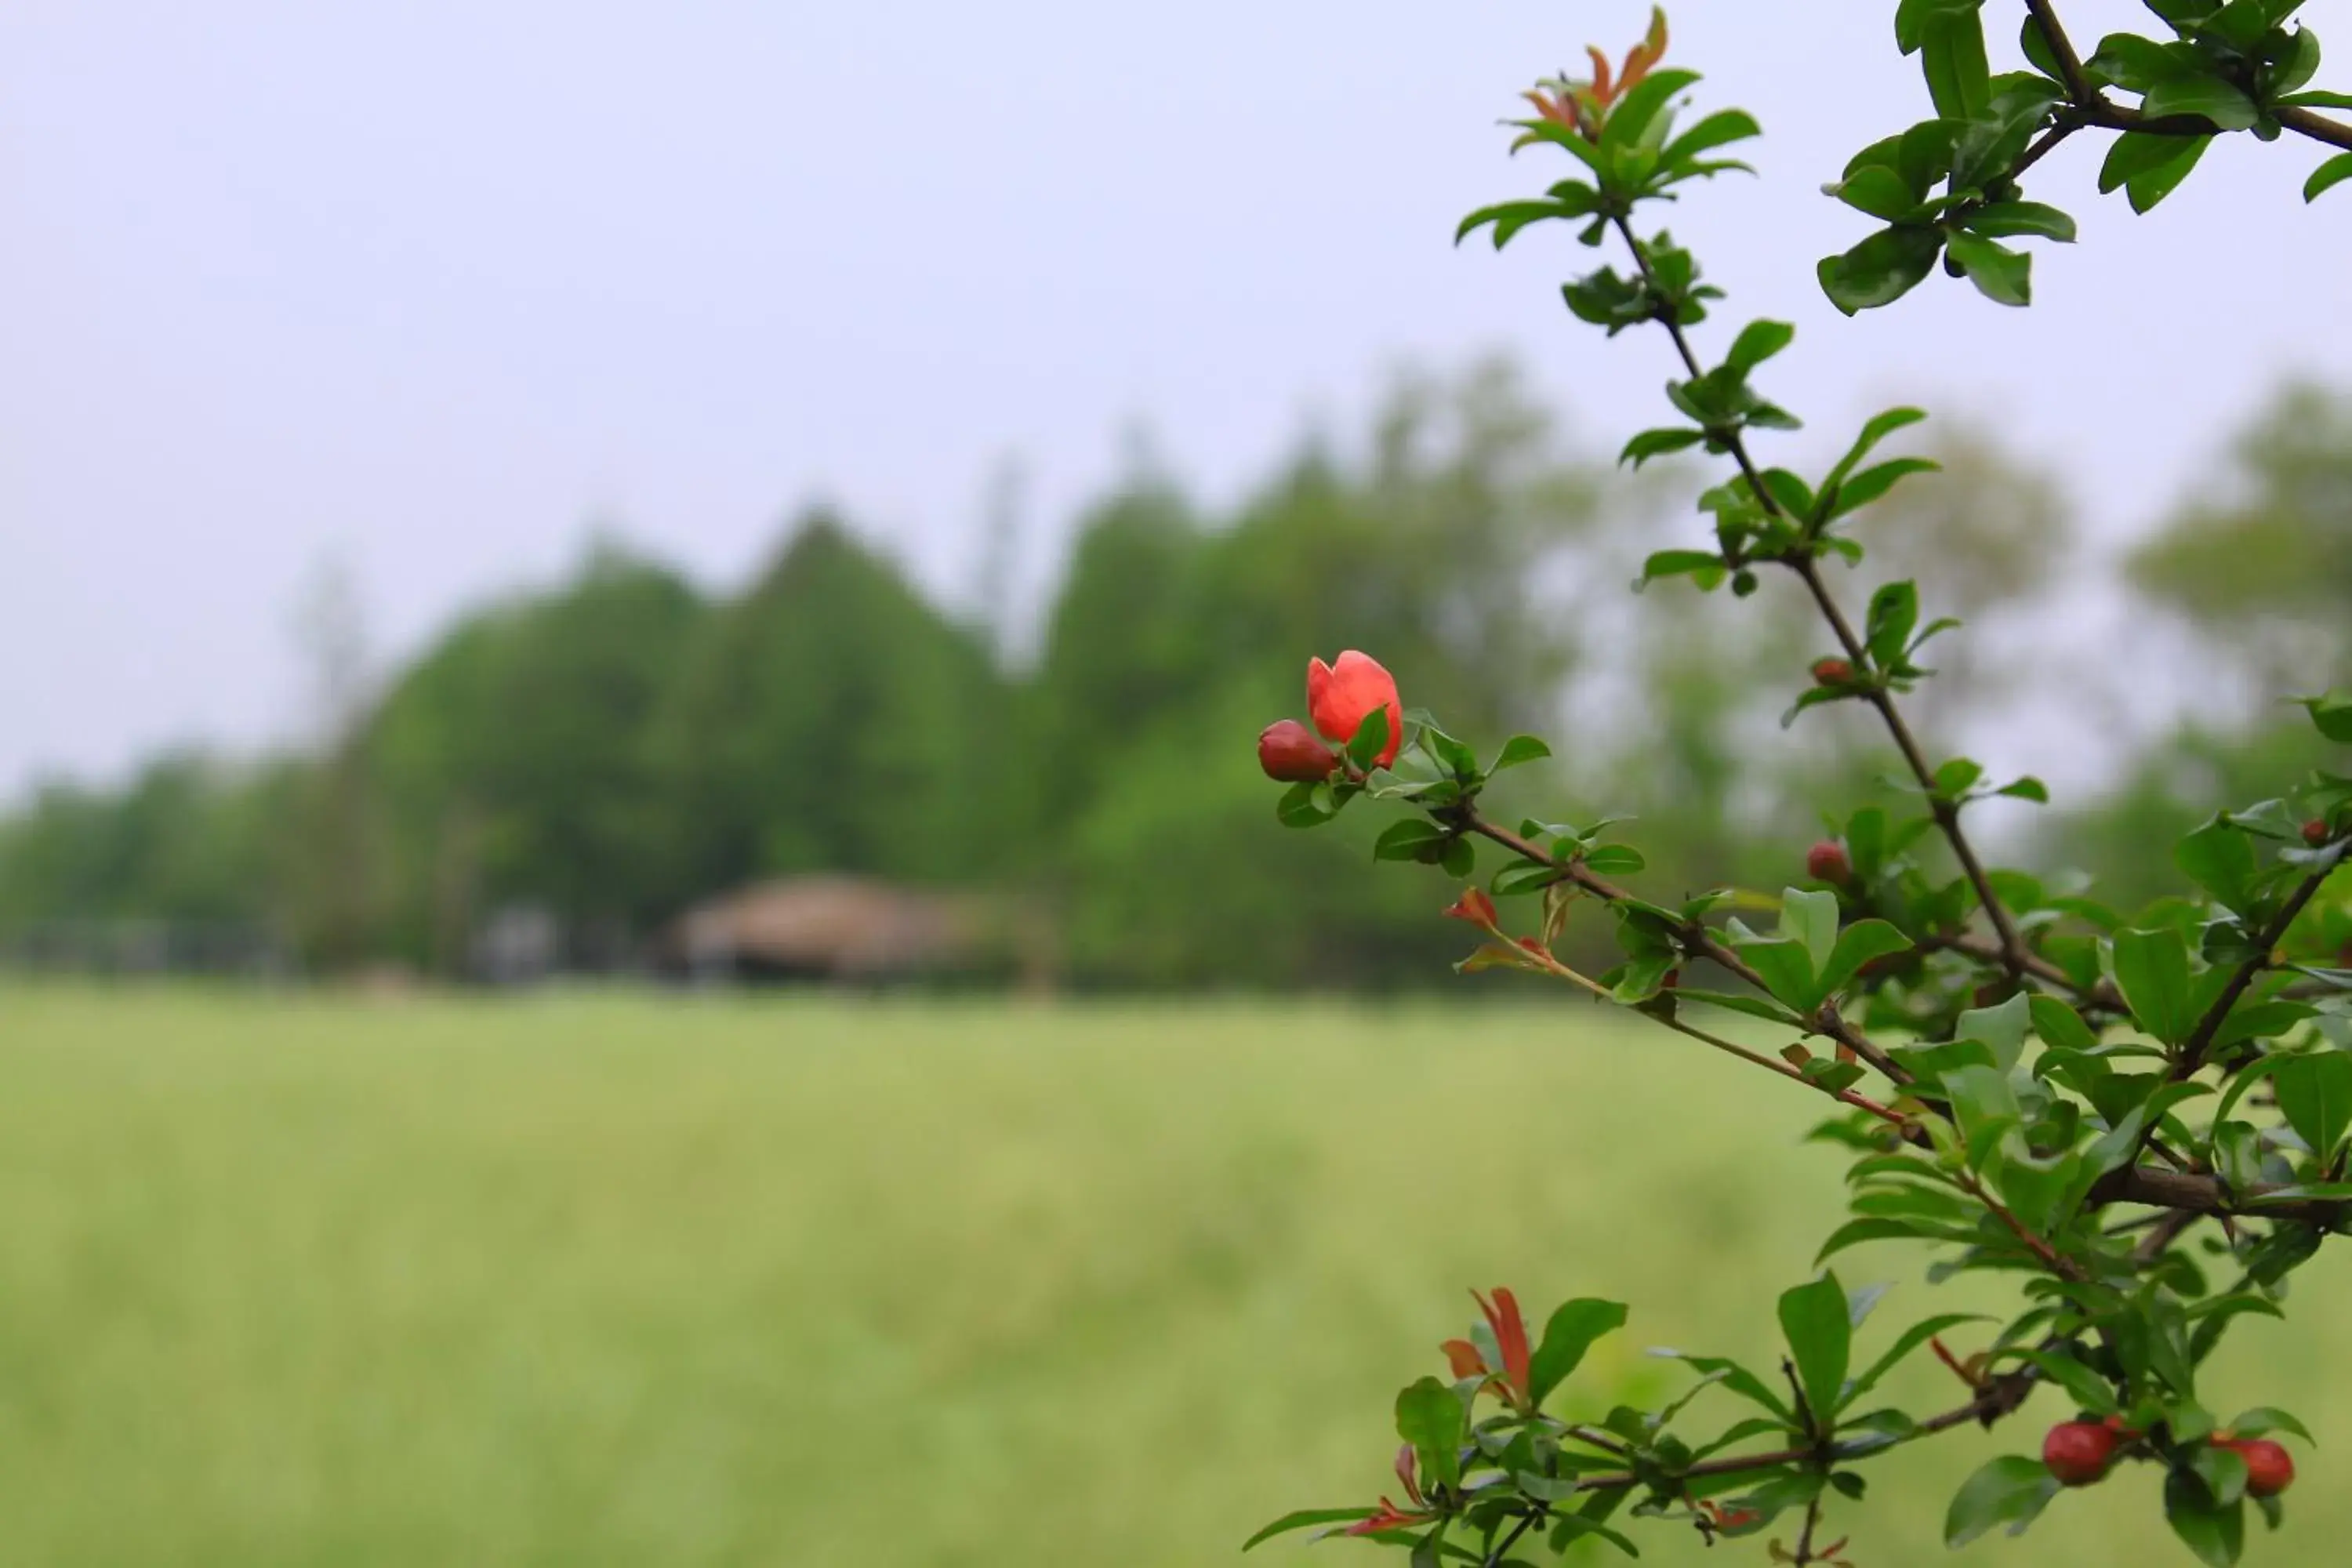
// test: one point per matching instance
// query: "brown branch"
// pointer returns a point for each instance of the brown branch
(2198, 1195)
(1999, 1397)
(2099, 110)
(2201, 1040)
(1947, 814)
(1697, 939)
(2102, 995)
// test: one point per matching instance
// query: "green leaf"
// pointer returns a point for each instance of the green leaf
(2001, 275)
(1820, 1341)
(1987, 1106)
(2059, 1024)
(1854, 1232)
(1519, 749)
(1701, 567)
(1372, 737)
(1879, 427)
(2135, 154)
(1881, 269)
(1414, 838)
(1460, 859)
(2268, 1418)
(2001, 1028)
(1875, 481)
(2216, 1534)
(1566, 1527)
(1893, 612)
(1912, 1338)
(2145, 190)
(1757, 341)
(2332, 173)
(2092, 1392)
(1786, 970)
(1719, 128)
(1509, 217)
(1573, 1328)
(1739, 1002)
(1613, 860)
(1656, 443)
(1811, 917)
(1738, 1380)
(2025, 788)
(1880, 190)
(1634, 112)
(2011, 1490)
(2332, 715)
(2315, 1094)
(1307, 1516)
(2208, 96)
(1952, 56)
(1432, 1417)
(1857, 944)
(2152, 969)
(1308, 805)
(2000, 220)
(1789, 492)
(2219, 858)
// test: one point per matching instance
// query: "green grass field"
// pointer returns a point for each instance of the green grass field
(616, 1280)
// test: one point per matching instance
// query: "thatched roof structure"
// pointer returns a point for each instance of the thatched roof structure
(837, 927)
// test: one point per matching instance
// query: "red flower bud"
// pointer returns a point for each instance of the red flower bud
(2314, 833)
(1340, 696)
(1289, 751)
(1827, 862)
(2078, 1452)
(2270, 1468)
(1832, 671)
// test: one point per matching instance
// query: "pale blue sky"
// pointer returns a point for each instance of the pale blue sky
(435, 285)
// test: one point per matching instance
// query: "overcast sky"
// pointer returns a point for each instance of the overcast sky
(436, 287)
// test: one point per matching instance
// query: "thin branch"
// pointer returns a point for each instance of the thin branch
(1805, 1536)
(1998, 1398)
(1947, 814)
(2049, 1256)
(2102, 995)
(1553, 966)
(2201, 1040)
(2201, 1195)
(2079, 86)
(1503, 1547)
(1695, 937)
(2100, 111)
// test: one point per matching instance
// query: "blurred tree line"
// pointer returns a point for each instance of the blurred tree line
(615, 747)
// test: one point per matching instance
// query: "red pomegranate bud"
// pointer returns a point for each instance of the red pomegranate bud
(1827, 862)
(1341, 695)
(2314, 833)
(2270, 1468)
(2078, 1452)
(1832, 672)
(1289, 751)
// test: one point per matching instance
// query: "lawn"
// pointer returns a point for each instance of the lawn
(590, 1281)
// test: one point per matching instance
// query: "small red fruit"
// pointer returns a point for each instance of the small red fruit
(2270, 1468)
(2078, 1452)
(1289, 751)
(1827, 862)
(1832, 671)
(2314, 833)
